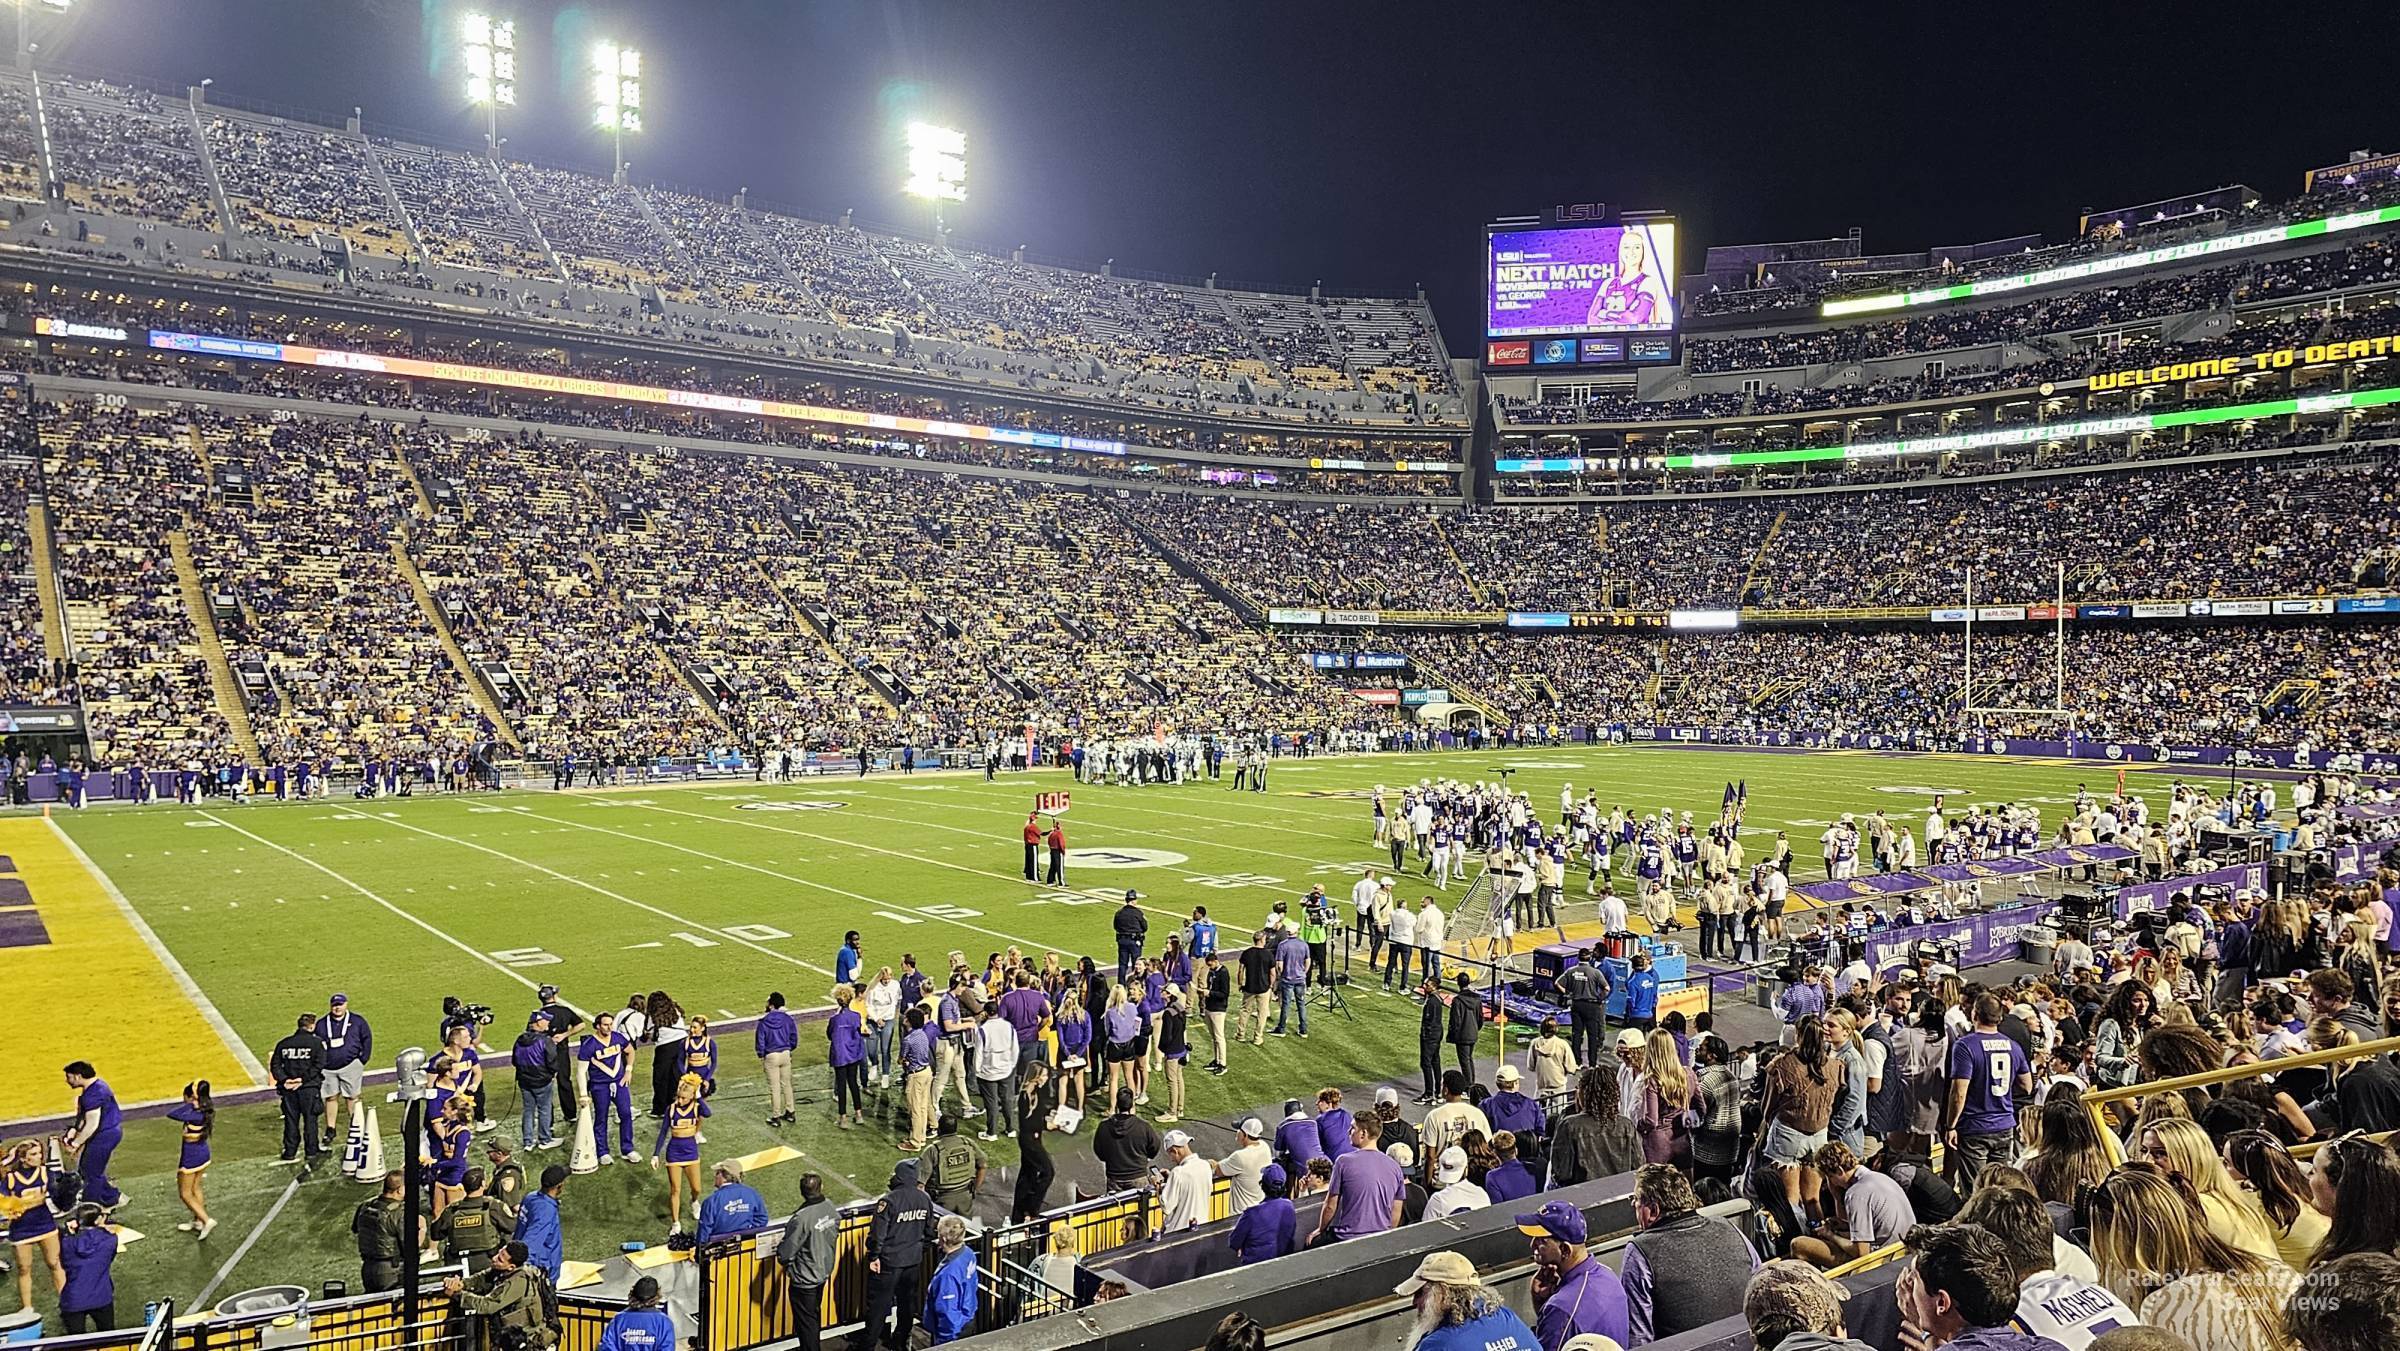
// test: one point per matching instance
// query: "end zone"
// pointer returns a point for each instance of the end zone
(69, 938)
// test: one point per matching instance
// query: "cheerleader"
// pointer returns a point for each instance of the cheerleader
(466, 1071)
(25, 1200)
(677, 1148)
(699, 1054)
(446, 1153)
(199, 1118)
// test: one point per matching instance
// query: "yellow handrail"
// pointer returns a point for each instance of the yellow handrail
(2115, 1149)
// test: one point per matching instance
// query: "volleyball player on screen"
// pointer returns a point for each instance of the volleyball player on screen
(1633, 296)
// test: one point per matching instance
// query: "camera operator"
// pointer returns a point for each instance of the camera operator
(457, 1013)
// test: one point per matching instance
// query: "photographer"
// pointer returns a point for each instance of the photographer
(509, 1303)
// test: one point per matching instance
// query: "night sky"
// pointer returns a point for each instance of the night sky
(1357, 143)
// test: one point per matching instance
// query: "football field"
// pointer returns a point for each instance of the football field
(180, 943)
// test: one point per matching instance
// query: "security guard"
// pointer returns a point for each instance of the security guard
(297, 1065)
(473, 1226)
(506, 1302)
(507, 1177)
(895, 1253)
(376, 1226)
(952, 1167)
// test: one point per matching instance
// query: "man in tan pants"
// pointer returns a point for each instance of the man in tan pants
(916, 1075)
(776, 1036)
(1258, 985)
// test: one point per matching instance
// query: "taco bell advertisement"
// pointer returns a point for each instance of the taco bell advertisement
(1613, 279)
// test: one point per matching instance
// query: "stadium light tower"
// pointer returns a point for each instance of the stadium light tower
(24, 31)
(490, 48)
(617, 95)
(937, 166)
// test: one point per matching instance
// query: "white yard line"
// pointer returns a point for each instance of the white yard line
(511, 972)
(761, 869)
(182, 978)
(597, 889)
(290, 1189)
(987, 837)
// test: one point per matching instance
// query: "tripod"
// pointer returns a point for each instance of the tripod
(1326, 993)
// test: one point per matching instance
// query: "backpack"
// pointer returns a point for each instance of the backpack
(552, 1325)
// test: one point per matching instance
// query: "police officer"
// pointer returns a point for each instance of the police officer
(505, 1300)
(1585, 984)
(470, 1228)
(376, 1225)
(298, 1068)
(895, 1252)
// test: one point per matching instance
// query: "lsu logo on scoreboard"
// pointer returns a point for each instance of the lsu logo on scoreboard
(1052, 804)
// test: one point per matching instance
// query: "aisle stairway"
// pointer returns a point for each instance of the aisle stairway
(230, 704)
(45, 581)
(801, 615)
(477, 686)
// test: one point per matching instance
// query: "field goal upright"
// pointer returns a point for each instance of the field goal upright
(1973, 713)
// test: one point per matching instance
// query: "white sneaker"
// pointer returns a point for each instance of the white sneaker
(698, 1138)
(1141, 1099)
(550, 1144)
(607, 1159)
(205, 1230)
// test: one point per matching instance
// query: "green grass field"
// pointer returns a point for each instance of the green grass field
(722, 892)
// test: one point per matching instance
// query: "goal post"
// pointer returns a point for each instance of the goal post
(1972, 711)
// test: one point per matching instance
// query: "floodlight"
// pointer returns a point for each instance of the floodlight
(937, 162)
(617, 94)
(489, 48)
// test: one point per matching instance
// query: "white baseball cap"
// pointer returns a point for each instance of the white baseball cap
(1451, 1166)
(1254, 1128)
(1178, 1140)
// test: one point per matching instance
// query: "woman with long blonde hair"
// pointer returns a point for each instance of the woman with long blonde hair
(1666, 1088)
(2184, 1149)
(678, 1146)
(2155, 1251)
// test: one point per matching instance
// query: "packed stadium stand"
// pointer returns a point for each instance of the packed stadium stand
(672, 573)
(323, 446)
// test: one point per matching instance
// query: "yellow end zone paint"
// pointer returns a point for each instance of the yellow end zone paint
(159, 1032)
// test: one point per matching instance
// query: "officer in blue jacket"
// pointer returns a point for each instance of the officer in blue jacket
(644, 1326)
